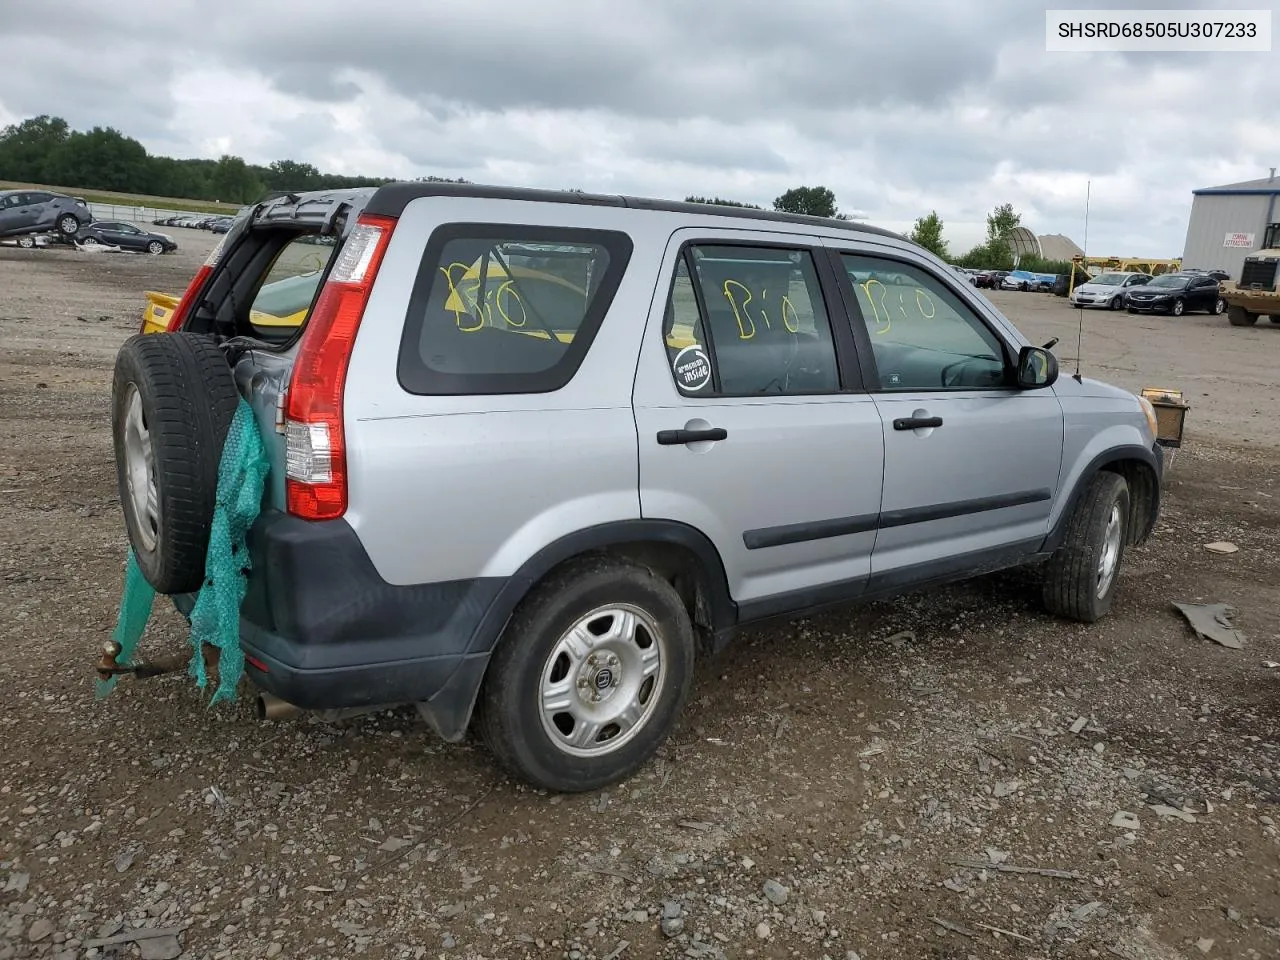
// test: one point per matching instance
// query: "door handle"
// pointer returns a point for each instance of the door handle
(669, 438)
(916, 423)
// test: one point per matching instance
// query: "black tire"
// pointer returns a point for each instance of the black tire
(509, 713)
(1133, 310)
(1274, 319)
(155, 248)
(1071, 576)
(68, 225)
(1240, 317)
(27, 243)
(1179, 308)
(186, 398)
(1219, 305)
(1117, 302)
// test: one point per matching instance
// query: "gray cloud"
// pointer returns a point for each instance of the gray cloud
(899, 108)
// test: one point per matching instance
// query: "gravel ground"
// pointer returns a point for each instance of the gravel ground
(951, 775)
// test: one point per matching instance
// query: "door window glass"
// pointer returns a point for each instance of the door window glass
(923, 337)
(748, 321)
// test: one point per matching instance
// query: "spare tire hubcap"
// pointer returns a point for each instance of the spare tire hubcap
(140, 470)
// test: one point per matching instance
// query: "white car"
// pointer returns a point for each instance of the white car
(1108, 290)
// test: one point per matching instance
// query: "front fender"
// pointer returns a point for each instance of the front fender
(1121, 449)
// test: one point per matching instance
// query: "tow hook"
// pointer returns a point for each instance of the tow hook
(108, 666)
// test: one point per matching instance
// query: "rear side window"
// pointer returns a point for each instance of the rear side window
(284, 298)
(507, 309)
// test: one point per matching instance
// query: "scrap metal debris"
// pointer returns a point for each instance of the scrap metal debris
(1212, 621)
(1126, 820)
(1222, 547)
(953, 927)
(977, 863)
(136, 936)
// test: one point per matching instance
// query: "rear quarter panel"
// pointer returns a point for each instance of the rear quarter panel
(454, 487)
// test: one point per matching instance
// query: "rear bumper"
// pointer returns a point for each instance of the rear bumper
(321, 629)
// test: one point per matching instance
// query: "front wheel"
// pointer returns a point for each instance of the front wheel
(1240, 317)
(89, 242)
(1178, 308)
(1117, 302)
(155, 248)
(1081, 576)
(589, 677)
(1218, 306)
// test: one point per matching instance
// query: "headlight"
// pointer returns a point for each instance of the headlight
(1150, 411)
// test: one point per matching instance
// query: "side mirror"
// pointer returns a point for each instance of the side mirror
(1037, 368)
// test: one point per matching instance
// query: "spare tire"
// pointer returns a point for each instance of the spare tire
(172, 400)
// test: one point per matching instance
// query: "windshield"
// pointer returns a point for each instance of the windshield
(1109, 279)
(1168, 281)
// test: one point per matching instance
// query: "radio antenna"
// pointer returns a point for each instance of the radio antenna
(1088, 186)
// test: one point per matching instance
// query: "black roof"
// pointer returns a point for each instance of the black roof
(390, 200)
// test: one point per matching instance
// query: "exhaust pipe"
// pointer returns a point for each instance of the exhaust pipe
(271, 707)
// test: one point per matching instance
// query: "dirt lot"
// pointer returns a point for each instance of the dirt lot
(848, 759)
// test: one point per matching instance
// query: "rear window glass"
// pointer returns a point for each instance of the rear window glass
(284, 298)
(507, 309)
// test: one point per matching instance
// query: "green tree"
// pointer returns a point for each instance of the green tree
(810, 201)
(26, 147)
(1001, 222)
(927, 232)
(721, 202)
(290, 175)
(101, 159)
(234, 182)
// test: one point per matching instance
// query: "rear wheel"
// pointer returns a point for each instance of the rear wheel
(590, 676)
(1240, 317)
(26, 242)
(68, 225)
(173, 399)
(89, 242)
(1081, 576)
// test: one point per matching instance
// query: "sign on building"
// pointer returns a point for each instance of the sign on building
(1239, 240)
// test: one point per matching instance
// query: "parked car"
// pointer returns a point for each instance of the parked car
(631, 453)
(126, 236)
(41, 211)
(221, 224)
(1108, 290)
(1176, 293)
(990, 279)
(1216, 274)
(1019, 280)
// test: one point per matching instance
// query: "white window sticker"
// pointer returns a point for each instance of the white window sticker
(692, 368)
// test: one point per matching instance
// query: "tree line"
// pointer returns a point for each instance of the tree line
(995, 253)
(46, 150)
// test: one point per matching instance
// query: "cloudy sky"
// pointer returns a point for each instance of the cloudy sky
(900, 108)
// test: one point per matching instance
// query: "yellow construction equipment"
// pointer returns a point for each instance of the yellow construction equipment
(1092, 266)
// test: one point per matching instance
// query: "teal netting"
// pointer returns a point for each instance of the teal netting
(215, 619)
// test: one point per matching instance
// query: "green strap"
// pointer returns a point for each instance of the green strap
(215, 619)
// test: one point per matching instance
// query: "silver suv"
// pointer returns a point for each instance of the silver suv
(532, 452)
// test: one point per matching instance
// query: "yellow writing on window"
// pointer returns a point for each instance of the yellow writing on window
(908, 303)
(740, 296)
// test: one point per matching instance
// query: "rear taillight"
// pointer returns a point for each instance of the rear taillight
(315, 445)
(194, 287)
